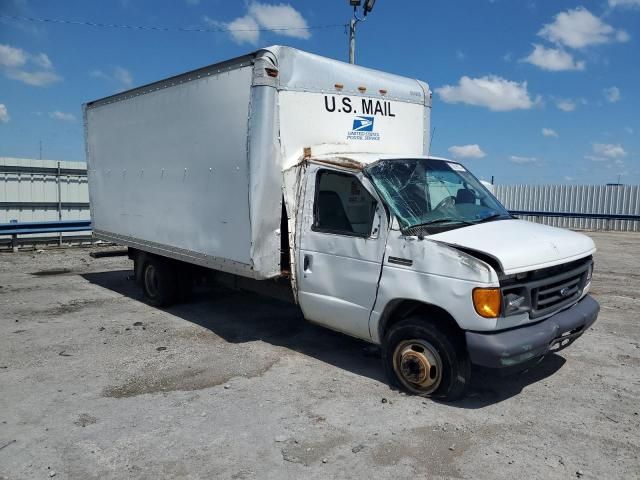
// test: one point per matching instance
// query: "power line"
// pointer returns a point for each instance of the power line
(161, 28)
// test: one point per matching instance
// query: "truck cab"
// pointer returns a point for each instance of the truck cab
(415, 254)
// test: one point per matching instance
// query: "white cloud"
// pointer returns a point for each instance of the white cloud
(549, 132)
(36, 79)
(596, 158)
(282, 19)
(629, 130)
(98, 74)
(608, 151)
(622, 36)
(63, 116)
(624, 3)
(4, 113)
(568, 179)
(492, 92)
(15, 63)
(244, 30)
(42, 60)
(566, 105)
(522, 160)
(579, 28)
(612, 94)
(467, 151)
(12, 57)
(280, 16)
(118, 75)
(553, 59)
(123, 76)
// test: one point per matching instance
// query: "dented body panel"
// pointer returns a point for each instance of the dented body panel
(520, 246)
(438, 275)
(337, 274)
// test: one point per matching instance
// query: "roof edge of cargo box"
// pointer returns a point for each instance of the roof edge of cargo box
(175, 79)
(312, 73)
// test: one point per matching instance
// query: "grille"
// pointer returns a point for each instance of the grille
(557, 293)
(550, 289)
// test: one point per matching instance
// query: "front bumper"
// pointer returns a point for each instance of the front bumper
(521, 344)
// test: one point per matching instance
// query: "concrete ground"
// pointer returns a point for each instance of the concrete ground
(94, 383)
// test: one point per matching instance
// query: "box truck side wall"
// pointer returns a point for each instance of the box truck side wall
(169, 168)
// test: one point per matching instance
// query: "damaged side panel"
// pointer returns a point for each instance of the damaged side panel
(293, 192)
(337, 272)
(437, 275)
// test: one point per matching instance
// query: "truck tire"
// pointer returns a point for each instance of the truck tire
(159, 282)
(421, 359)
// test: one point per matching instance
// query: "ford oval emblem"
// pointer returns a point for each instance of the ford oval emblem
(565, 292)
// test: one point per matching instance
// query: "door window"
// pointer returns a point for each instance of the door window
(342, 205)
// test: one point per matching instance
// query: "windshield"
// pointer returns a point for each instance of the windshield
(423, 192)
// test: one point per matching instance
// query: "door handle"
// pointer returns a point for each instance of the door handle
(306, 263)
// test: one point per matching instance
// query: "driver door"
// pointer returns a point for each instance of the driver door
(342, 241)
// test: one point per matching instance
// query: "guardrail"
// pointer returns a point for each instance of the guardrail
(597, 216)
(14, 229)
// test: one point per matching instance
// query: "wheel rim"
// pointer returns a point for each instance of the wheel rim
(151, 281)
(418, 366)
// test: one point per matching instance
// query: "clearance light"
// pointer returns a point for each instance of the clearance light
(339, 86)
(272, 72)
(362, 89)
(382, 91)
(487, 302)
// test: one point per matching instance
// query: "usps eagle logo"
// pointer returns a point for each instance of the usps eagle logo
(363, 124)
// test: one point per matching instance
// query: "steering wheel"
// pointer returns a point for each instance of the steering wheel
(449, 201)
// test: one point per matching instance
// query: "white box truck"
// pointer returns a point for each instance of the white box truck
(286, 170)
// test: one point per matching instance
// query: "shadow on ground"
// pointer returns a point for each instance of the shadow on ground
(240, 317)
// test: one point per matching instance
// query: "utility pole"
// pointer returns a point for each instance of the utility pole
(368, 6)
(352, 37)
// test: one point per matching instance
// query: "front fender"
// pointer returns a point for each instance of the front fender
(432, 273)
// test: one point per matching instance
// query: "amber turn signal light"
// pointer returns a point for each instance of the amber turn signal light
(487, 302)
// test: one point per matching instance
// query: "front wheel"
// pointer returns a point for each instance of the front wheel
(423, 360)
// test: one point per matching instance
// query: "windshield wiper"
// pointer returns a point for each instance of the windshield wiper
(441, 220)
(492, 216)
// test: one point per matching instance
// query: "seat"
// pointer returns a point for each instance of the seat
(331, 213)
(464, 195)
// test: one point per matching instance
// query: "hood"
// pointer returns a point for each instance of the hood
(520, 246)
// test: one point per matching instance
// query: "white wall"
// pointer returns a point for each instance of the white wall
(607, 199)
(29, 187)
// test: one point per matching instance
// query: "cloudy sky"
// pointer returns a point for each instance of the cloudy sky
(529, 91)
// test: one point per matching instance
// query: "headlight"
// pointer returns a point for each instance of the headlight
(514, 303)
(487, 302)
(590, 272)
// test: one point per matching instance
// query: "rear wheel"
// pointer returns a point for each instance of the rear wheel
(424, 360)
(159, 282)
